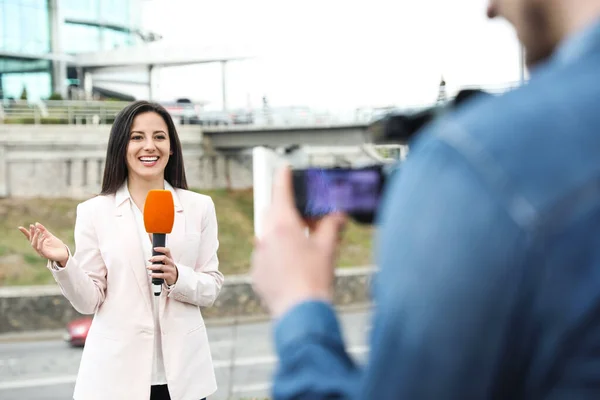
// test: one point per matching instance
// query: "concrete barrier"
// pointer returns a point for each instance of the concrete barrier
(37, 308)
(68, 161)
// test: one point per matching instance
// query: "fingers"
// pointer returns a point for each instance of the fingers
(40, 227)
(25, 232)
(161, 267)
(167, 272)
(36, 234)
(40, 241)
(328, 230)
(284, 206)
(165, 259)
(164, 250)
(35, 239)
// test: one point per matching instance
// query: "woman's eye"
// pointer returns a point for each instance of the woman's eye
(136, 137)
(161, 137)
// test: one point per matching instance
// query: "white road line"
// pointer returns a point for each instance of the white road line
(257, 387)
(28, 383)
(242, 362)
(265, 386)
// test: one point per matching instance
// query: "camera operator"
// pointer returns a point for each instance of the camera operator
(488, 245)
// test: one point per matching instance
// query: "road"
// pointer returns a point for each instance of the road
(46, 370)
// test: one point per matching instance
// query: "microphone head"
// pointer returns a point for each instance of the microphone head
(159, 212)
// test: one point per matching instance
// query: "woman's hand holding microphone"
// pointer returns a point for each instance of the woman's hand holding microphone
(46, 244)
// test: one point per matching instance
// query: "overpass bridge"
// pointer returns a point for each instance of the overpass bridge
(234, 138)
(275, 127)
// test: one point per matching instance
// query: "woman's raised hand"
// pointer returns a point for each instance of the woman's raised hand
(46, 244)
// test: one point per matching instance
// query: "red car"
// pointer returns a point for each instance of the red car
(77, 331)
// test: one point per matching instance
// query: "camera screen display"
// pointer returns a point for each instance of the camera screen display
(352, 191)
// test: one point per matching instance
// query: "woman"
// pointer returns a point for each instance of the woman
(140, 346)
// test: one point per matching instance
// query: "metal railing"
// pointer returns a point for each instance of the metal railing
(73, 112)
(76, 112)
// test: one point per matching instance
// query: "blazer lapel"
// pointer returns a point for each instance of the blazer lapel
(133, 252)
(176, 237)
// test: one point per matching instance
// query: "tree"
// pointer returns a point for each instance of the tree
(24, 93)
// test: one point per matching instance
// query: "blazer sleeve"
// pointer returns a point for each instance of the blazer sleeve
(83, 279)
(201, 284)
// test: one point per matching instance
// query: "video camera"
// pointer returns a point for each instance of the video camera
(357, 191)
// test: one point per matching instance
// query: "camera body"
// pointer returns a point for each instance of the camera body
(352, 191)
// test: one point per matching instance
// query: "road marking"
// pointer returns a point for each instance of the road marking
(28, 383)
(256, 387)
(242, 362)
(265, 386)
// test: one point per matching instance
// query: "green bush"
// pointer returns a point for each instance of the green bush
(55, 96)
(54, 121)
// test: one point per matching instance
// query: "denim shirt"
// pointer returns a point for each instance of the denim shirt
(489, 257)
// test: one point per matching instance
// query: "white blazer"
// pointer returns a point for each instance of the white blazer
(105, 277)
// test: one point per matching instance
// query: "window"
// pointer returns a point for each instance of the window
(81, 9)
(24, 26)
(36, 83)
(114, 39)
(80, 38)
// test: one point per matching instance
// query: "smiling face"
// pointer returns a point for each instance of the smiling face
(149, 147)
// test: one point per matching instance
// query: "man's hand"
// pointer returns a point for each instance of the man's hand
(289, 267)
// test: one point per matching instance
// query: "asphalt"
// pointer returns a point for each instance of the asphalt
(45, 368)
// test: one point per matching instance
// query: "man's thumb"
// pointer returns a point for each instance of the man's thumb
(330, 229)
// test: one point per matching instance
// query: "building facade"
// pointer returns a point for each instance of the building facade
(38, 38)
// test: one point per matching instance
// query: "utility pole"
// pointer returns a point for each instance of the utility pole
(442, 96)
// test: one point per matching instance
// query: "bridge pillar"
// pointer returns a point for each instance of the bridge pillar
(3, 172)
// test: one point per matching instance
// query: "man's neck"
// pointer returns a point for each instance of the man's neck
(575, 18)
(139, 188)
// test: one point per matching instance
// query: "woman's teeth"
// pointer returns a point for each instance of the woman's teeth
(149, 160)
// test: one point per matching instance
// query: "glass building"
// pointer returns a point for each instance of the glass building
(37, 37)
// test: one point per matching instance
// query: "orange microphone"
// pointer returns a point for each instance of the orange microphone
(159, 215)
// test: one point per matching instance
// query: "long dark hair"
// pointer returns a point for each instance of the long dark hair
(115, 169)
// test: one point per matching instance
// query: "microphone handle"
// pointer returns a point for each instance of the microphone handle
(158, 240)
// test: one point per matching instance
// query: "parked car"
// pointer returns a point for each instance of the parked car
(77, 331)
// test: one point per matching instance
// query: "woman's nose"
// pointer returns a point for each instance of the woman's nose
(149, 144)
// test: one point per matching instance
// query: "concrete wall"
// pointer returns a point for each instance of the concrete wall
(24, 309)
(68, 161)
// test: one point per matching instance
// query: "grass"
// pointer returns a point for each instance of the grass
(20, 265)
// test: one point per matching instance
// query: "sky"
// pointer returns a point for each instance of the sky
(333, 54)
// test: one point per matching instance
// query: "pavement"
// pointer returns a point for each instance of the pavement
(44, 367)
